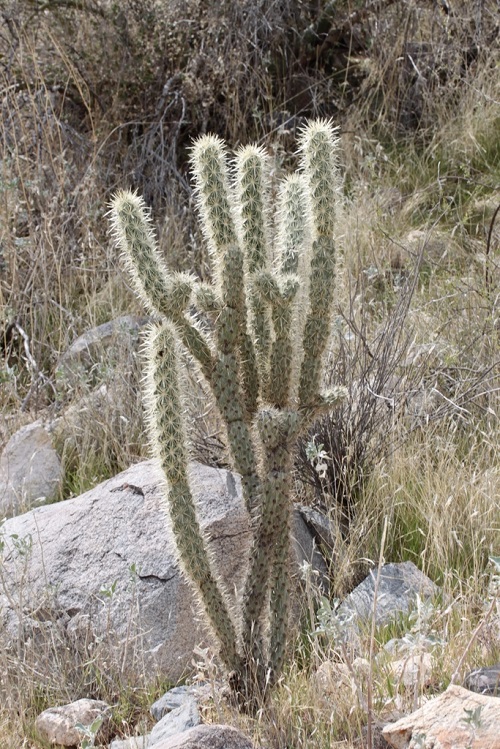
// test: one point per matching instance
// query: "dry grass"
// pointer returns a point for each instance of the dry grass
(104, 97)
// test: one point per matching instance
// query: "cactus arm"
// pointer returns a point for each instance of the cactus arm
(232, 334)
(251, 169)
(281, 365)
(210, 172)
(319, 149)
(251, 188)
(165, 416)
(292, 238)
(319, 146)
(317, 325)
(226, 389)
(237, 402)
(278, 293)
(293, 223)
(215, 202)
(133, 232)
(164, 294)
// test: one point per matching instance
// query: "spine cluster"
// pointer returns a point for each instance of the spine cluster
(271, 302)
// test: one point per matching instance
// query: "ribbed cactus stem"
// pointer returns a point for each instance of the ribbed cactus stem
(293, 255)
(278, 430)
(165, 416)
(162, 292)
(279, 294)
(234, 378)
(207, 299)
(251, 189)
(251, 192)
(319, 149)
(280, 583)
(319, 160)
(318, 320)
(211, 175)
(293, 223)
(196, 343)
(132, 228)
(226, 388)
(281, 365)
(232, 333)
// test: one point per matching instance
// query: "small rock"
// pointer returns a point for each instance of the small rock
(437, 247)
(319, 524)
(397, 590)
(484, 680)
(30, 470)
(412, 671)
(176, 697)
(171, 700)
(207, 737)
(457, 719)
(305, 549)
(332, 677)
(134, 742)
(57, 724)
(180, 719)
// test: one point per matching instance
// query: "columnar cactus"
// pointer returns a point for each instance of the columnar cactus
(271, 303)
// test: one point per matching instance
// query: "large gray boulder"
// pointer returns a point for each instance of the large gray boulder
(104, 565)
(30, 470)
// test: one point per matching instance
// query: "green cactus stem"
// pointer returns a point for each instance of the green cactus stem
(211, 177)
(319, 161)
(293, 223)
(251, 192)
(164, 408)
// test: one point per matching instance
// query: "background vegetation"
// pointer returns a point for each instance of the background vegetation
(99, 95)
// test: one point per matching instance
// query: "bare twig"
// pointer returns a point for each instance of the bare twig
(487, 271)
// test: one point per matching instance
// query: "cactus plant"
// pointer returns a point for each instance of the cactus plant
(271, 303)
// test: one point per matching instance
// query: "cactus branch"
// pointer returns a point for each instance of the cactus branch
(211, 176)
(169, 443)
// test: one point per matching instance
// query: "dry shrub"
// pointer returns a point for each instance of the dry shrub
(422, 56)
(54, 260)
(420, 357)
(359, 432)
